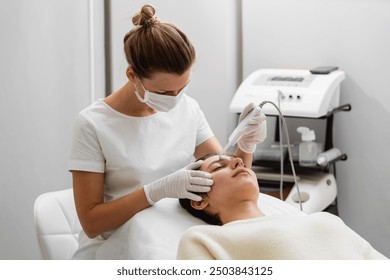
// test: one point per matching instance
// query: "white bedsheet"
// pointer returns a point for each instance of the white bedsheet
(154, 233)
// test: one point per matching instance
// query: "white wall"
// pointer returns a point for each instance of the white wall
(45, 78)
(354, 35)
(212, 29)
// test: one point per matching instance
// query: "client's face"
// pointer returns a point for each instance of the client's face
(232, 181)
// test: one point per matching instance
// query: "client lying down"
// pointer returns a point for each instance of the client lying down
(239, 229)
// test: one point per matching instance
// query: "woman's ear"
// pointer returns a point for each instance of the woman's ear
(130, 74)
(199, 205)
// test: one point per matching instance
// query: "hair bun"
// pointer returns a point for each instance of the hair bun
(145, 17)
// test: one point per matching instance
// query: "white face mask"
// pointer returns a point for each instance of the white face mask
(159, 102)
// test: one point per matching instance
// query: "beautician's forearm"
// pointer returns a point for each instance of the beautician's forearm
(94, 214)
(111, 215)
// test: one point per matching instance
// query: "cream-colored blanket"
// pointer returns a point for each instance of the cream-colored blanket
(317, 236)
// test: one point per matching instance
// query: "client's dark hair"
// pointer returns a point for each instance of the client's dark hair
(201, 214)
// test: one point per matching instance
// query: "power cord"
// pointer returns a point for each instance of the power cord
(280, 96)
(288, 147)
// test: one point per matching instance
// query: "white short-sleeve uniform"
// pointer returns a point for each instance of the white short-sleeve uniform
(134, 151)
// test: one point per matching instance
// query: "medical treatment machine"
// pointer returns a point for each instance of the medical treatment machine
(300, 94)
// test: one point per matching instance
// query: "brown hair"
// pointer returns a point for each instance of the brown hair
(152, 46)
(201, 214)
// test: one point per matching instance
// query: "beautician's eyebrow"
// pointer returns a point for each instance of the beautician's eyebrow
(163, 90)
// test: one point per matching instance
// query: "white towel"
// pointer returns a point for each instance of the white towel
(317, 236)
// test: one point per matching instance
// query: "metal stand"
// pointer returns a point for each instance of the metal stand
(329, 168)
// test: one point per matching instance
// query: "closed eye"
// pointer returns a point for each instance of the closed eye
(218, 168)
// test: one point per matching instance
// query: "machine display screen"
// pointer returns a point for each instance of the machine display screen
(287, 79)
(284, 80)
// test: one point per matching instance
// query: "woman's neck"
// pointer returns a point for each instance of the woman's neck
(241, 211)
(125, 102)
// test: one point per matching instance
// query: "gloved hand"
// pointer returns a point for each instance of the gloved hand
(180, 184)
(255, 132)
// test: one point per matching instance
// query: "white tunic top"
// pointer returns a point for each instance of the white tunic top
(134, 151)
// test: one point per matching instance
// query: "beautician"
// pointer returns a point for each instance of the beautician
(135, 147)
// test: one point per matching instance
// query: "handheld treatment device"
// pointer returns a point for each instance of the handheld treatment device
(237, 133)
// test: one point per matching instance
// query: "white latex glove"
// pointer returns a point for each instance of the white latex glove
(180, 184)
(255, 132)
